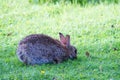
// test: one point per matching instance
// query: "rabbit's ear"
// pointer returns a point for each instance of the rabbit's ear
(67, 40)
(62, 39)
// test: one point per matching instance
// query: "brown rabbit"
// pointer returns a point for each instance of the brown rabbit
(40, 49)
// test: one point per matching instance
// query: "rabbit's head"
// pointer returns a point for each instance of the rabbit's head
(71, 50)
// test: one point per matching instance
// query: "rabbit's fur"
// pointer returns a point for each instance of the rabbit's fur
(39, 49)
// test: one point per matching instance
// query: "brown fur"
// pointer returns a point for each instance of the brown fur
(40, 48)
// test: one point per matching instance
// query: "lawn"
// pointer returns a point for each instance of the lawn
(93, 29)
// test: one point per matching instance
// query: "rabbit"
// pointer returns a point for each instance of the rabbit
(40, 49)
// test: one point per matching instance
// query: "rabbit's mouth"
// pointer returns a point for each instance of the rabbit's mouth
(72, 57)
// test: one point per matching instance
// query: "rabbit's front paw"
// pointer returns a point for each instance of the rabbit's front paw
(56, 60)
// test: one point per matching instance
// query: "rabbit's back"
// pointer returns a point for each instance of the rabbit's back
(39, 49)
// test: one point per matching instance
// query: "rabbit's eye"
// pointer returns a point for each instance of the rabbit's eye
(76, 51)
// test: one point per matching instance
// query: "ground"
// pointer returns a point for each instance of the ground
(94, 30)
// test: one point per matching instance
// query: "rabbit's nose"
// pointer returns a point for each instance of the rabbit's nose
(75, 57)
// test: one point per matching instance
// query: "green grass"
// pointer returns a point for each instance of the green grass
(95, 29)
(78, 2)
